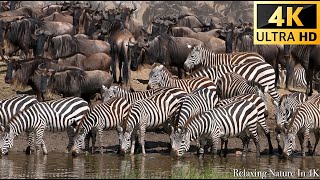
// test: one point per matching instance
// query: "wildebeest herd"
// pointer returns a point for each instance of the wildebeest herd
(86, 55)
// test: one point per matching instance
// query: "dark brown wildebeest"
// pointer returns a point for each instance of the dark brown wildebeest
(167, 50)
(98, 61)
(213, 43)
(72, 82)
(59, 17)
(309, 57)
(23, 11)
(66, 45)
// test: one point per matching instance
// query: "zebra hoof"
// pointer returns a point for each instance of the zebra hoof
(28, 150)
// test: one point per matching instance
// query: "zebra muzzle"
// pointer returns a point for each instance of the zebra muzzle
(174, 153)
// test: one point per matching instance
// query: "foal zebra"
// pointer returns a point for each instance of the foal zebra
(11, 106)
(206, 57)
(231, 120)
(260, 72)
(306, 119)
(145, 114)
(284, 112)
(105, 116)
(56, 115)
(160, 76)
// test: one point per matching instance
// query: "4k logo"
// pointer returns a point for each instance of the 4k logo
(277, 16)
(286, 22)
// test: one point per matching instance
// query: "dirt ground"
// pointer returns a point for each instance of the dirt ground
(156, 142)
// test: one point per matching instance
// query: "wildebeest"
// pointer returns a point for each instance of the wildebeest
(97, 61)
(23, 11)
(73, 82)
(66, 45)
(59, 17)
(309, 57)
(56, 28)
(211, 42)
(167, 50)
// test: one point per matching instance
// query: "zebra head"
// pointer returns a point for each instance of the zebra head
(281, 113)
(180, 141)
(260, 91)
(78, 141)
(155, 76)
(289, 144)
(7, 141)
(108, 93)
(124, 139)
(194, 58)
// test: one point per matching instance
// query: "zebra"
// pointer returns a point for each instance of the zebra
(145, 114)
(235, 119)
(56, 115)
(12, 105)
(260, 72)
(306, 119)
(160, 76)
(233, 84)
(200, 100)
(104, 116)
(117, 91)
(261, 108)
(205, 57)
(299, 79)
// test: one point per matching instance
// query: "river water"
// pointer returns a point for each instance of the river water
(153, 165)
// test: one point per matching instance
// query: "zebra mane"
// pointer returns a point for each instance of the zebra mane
(256, 84)
(293, 118)
(283, 98)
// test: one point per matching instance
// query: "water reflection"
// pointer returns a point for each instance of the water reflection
(153, 165)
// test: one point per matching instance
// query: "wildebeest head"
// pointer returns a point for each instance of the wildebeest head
(12, 66)
(137, 52)
(41, 37)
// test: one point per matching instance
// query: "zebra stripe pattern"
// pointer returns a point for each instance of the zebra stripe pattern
(56, 115)
(160, 76)
(288, 105)
(12, 105)
(232, 84)
(299, 79)
(306, 119)
(260, 72)
(224, 122)
(206, 57)
(105, 116)
(261, 109)
(145, 114)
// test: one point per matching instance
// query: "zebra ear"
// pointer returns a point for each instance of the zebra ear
(2, 129)
(161, 67)
(266, 89)
(170, 128)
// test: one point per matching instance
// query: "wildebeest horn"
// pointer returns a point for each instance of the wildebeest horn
(37, 32)
(135, 7)
(189, 46)
(40, 67)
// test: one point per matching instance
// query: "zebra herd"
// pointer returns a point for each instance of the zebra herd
(225, 98)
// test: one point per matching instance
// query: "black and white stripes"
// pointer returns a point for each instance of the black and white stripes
(57, 115)
(224, 122)
(206, 57)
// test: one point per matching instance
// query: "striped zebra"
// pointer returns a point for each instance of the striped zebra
(105, 116)
(11, 106)
(306, 119)
(287, 106)
(117, 91)
(233, 84)
(235, 119)
(299, 79)
(160, 76)
(261, 109)
(205, 57)
(260, 72)
(148, 113)
(57, 115)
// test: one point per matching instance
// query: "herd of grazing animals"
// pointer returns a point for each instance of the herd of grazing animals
(86, 56)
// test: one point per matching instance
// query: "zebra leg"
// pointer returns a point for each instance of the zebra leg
(270, 143)
(225, 148)
(40, 142)
(245, 143)
(200, 146)
(256, 142)
(278, 138)
(71, 134)
(141, 139)
(30, 135)
(133, 142)
(93, 134)
(317, 137)
(214, 145)
(100, 134)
